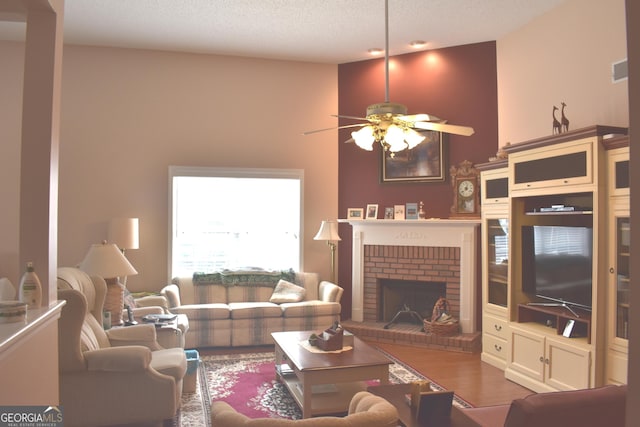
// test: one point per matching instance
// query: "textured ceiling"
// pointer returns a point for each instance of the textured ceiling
(330, 31)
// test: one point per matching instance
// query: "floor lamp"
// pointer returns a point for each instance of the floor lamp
(329, 232)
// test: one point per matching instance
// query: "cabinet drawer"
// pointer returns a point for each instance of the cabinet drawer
(560, 165)
(494, 346)
(496, 327)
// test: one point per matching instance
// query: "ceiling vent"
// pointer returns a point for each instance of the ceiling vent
(619, 71)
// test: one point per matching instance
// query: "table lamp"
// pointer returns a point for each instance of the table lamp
(107, 261)
(124, 233)
(329, 232)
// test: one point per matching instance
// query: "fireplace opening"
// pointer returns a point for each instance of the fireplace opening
(408, 295)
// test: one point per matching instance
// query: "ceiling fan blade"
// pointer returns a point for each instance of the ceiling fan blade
(309, 132)
(420, 118)
(348, 117)
(447, 128)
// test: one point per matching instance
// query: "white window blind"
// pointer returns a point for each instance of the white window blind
(234, 218)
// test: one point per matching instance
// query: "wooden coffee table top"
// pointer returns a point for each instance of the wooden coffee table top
(362, 354)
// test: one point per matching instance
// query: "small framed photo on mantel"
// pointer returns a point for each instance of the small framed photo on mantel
(388, 212)
(398, 212)
(411, 211)
(355, 213)
(372, 212)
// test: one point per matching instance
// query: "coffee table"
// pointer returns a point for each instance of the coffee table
(324, 383)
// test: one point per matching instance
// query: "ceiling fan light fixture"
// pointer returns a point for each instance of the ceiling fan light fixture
(389, 125)
(413, 138)
(394, 137)
(364, 138)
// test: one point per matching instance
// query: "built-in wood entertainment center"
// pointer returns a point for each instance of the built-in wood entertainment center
(555, 231)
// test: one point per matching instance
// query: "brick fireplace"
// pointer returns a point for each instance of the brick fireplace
(415, 250)
(409, 277)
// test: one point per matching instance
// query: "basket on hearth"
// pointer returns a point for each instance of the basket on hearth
(441, 322)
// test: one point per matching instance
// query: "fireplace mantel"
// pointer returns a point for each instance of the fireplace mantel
(460, 233)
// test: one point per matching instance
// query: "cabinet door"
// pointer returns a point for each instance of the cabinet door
(620, 279)
(494, 187)
(617, 367)
(527, 354)
(567, 367)
(618, 172)
(560, 165)
(496, 254)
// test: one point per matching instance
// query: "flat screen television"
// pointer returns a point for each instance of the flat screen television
(557, 264)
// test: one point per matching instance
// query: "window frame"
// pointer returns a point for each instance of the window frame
(228, 172)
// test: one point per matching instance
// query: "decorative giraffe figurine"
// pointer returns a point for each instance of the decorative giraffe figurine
(557, 127)
(564, 120)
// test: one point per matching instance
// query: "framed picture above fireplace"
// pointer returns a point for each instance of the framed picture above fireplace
(427, 162)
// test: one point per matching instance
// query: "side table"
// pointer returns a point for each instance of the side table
(396, 394)
(172, 334)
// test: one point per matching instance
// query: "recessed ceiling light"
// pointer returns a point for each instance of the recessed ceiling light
(418, 43)
(375, 51)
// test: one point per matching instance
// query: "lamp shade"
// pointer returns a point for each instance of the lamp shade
(328, 231)
(107, 261)
(124, 233)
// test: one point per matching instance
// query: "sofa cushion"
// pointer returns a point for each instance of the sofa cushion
(287, 292)
(603, 406)
(249, 293)
(209, 294)
(203, 311)
(254, 310)
(310, 308)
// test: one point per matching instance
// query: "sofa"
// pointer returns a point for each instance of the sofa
(365, 410)
(595, 407)
(236, 308)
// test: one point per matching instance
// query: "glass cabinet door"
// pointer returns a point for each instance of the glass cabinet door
(498, 253)
(623, 236)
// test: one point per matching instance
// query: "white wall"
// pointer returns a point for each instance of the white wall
(129, 114)
(564, 55)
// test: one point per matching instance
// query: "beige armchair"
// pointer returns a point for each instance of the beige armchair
(115, 378)
(365, 410)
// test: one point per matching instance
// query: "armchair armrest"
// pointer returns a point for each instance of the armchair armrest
(223, 414)
(143, 335)
(140, 312)
(151, 301)
(329, 292)
(118, 359)
(172, 295)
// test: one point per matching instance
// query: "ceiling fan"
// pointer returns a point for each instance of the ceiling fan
(388, 122)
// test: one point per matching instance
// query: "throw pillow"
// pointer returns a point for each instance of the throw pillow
(287, 292)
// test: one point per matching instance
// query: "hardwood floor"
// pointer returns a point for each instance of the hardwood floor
(476, 382)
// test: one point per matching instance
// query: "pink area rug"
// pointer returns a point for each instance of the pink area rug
(247, 382)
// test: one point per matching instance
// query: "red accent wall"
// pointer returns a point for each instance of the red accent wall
(458, 84)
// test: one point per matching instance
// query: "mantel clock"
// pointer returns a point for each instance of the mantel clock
(465, 180)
